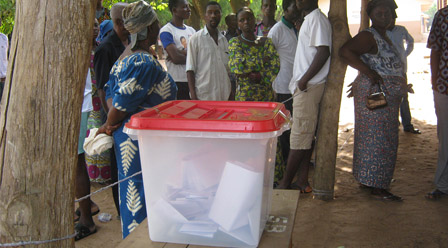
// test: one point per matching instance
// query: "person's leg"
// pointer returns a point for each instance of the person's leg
(83, 189)
(305, 114)
(294, 161)
(183, 92)
(284, 138)
(85, 226)
(114, 178)
(113, 169)
(405, 114)
(441, 175)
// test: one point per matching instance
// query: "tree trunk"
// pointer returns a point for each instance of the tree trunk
(195, 18)
(238, 4)
(365, 21)
(39, 124)
(327, 133)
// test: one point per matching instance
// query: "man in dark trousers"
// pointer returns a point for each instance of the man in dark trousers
(106, 54)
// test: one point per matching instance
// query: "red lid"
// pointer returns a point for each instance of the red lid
(212, 116)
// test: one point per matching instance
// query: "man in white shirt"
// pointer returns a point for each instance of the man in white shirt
(284, 37)
(311, 67)
(174, 37)
(208, 58)
(4, 44)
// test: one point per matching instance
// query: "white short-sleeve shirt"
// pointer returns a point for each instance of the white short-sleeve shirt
(284, 38)
(315, 32)
(209, 62)
(170, 34)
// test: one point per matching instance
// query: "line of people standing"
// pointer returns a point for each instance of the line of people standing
(268, 61)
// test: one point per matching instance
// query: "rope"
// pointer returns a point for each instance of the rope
(22, 243)
(109, 186)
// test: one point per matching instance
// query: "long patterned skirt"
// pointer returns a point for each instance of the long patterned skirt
(98, 165)
(132, 194)
(376, 132)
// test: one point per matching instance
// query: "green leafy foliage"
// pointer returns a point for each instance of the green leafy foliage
(7, 13)
(431, 12)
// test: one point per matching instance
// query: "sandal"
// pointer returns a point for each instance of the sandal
(83, 231)
(306, 190)
(78, 213)
(435, 195)
(385, 195)
(363, 186)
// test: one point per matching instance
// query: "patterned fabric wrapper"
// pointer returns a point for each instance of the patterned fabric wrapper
(136, 82)
(376, 132)
(98, 166)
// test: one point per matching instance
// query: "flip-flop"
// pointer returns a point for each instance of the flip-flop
(435, 195)
(82, 231)
(388, 197)
(78, 214)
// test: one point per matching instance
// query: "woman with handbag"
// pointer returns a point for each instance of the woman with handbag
(377, 91)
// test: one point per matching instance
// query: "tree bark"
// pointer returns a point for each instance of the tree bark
(238, 4)
(365, 21)
(195, 18)
(327, 133)
(40, 118)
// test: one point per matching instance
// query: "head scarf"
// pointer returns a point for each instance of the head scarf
(388, 3)
(137, 16)
(105, 27)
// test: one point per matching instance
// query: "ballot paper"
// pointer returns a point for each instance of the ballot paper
(200, 170)
(203, 229)
(166, 211)
(239, 190)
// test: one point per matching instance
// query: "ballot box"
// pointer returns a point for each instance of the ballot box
(208, 169)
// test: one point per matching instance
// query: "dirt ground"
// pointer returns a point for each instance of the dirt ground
(353, 218)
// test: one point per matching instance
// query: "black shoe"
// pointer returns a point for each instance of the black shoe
(413, 130)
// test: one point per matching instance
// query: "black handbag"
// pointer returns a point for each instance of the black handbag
(376, 100)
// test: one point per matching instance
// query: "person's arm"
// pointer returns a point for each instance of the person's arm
(113, 122)
(101, 61)
(192, 85)
(323, 53)
(191, 65)
(409, 42)
(435, 63)
(351, 51)
(175, 55)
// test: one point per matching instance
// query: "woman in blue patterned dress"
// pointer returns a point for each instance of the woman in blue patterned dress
(137, 81)
(376, 131)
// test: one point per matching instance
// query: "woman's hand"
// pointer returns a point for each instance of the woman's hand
(255, 77)
(350, 90)
(107, 129)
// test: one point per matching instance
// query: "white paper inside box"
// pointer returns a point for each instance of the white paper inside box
(205, 190)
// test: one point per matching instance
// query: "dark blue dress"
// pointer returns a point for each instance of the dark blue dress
(135, 83)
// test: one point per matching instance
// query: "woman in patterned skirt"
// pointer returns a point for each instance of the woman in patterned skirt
(255, 63)
(376, 131)
(137, 81)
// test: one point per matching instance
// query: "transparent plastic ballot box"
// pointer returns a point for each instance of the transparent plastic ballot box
(208, 169)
